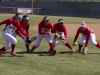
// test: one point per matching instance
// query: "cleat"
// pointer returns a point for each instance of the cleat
(73, 51)
(30, 51)
(78, 51)
(53, 52)
(49, 51)
(3, 52)
(13, 53)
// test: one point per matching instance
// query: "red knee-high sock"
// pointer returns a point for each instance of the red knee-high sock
(13, 47)
(68, 45)
(98, 45)
(3, 49)
(33, 48)
(27, 47)
(80, 46)
(51, 46)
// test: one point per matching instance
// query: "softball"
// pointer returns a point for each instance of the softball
(75, 44)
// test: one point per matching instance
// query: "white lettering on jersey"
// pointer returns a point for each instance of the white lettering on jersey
(10, 29)
(61, 33)
(45, 30)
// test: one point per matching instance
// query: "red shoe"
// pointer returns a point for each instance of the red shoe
(73, 51)
(13, 53)
(30, 51)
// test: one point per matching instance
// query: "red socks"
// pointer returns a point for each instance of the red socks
(33, 47)
(51, 46)
(13, 47)
(80, 46)
(27, 47)
(98, 45)
(68, 45)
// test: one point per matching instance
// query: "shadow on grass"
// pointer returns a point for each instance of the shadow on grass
(11, 55)
(64, 52)
(43, 53)
(23, 52)
(40, 53)
(93, 53)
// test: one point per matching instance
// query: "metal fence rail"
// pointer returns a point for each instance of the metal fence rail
(59, 8)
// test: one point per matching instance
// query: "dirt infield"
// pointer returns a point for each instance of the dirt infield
(72, 28)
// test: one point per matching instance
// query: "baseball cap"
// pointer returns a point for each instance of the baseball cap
(83, 24)
(60, 21)
(46, 18)
(27, 18)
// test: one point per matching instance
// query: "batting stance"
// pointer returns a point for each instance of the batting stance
(12, 25)
(87, 34)
(44, 30)
(61, 34)
(25, 26)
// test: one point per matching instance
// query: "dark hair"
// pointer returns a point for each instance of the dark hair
(46, 17)
(60, 20)
(16, 15)
(24, 17)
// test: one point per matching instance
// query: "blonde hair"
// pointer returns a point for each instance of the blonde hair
(83, 22)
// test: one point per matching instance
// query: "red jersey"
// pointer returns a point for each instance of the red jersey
(43, 28)
(84, 33)
(60, 29)
(25, 28)
(11, 27)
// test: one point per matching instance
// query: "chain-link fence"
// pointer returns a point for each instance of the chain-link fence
(59, 8)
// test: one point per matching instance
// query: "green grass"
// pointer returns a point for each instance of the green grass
(40, 63)
(68, 20)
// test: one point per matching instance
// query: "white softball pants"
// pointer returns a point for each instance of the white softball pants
(40, 37)
(92, 39)
(9, 40)
(15, 35)
(55, 41)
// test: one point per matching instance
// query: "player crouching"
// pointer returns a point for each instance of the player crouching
(61, 34)
(44, 30)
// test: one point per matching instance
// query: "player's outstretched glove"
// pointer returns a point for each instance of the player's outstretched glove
(85, 50)
(28, 41)
(33, 38)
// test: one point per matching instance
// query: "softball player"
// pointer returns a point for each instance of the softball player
(12, 25)
(44, 29)
(87, 34)
(61, 34)
(25, 26)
